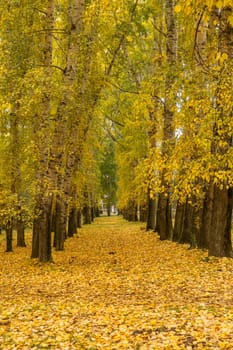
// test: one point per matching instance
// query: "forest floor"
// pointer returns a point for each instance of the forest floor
(116, 287)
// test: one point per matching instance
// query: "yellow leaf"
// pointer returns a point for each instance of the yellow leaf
(219, 4)
(178, 8)
(224, 57)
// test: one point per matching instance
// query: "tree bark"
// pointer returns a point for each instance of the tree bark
(79, 218)
(179, 222)
(72, 226)
(190, 228)
(151, 212)
(20, 233)
(164, 218)
(221, 220)
(44, 229)
(220, 232)
(9, 237)
(109, 209)
(86, 215)
(64, 156)
(207, 213)
(41, 239)
(35, 238)
(60, 224)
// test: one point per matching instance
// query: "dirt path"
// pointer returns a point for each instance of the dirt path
(116, 287)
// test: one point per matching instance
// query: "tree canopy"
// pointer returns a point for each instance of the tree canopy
(130, 99)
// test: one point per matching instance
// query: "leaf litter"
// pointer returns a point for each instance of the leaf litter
(116, 286)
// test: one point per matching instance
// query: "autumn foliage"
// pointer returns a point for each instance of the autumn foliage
(116, 286)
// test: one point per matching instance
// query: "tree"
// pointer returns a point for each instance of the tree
(164, 219)
(41, 247)
(205, 166)
(220, 184)
(108, 175)
(157, 83)
(16, 53)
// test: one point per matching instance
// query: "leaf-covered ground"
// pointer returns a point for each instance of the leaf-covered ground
(116, 287)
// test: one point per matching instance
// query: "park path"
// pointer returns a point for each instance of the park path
(116, 286)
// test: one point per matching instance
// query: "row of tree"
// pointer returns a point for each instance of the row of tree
(154, 78)
(179, 168)
(53, 68)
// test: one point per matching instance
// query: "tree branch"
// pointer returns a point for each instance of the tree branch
(122, 89)
(122, 38)
(52, 66)
(196, 31)
(114, 121)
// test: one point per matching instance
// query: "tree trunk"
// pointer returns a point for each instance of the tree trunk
(190, 228)
(16, 176)
(44, 228)
(164, 217)
(142, 213)
(130, 213)
(79, 218)
(41, 240)
(220, 233)
(35, 238)
(93, 213)
(207, 213)
(20, 233)
(86, 215)
(72, 226)
(97, 211)
(63, 149)
(9, 237)
(186, 236)
(151, 211)
(60, 224)
(179, 222)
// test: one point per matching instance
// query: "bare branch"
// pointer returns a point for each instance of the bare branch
(197, 29)
(40, 11)
(114, 121)
(122, 38)
(122, 89)
(159, 30)
(52, 66)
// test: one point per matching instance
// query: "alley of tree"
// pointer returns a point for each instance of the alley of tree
(116, 174)
(116, 286)
(107, 104)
